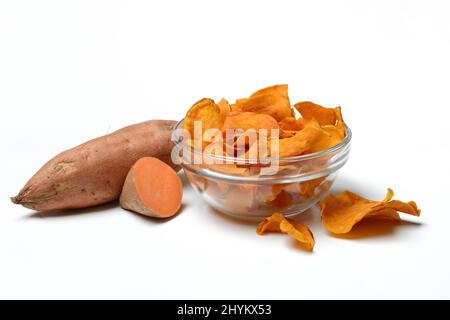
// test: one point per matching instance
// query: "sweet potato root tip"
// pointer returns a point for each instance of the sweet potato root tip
(15, 200)
(152, 188)
(94, 173)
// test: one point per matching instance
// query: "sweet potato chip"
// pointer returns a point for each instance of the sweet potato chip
(299, 232)
(205, 111)
(340, 122)
(270, 224)
(277, 107)
(224, 108)
(326, 137)
(266, 193)
(340, 213)
(303, 141)
(257, 152)
(249, 120)
(273, 101)
(282, 200)
(228, 168)
(214, 149)
(292, 124)
(280, 90)
(329, 138)
(278, 223)
(308, 188)
(244, 141)
(310, 110)
(287, 134)
(335, 135)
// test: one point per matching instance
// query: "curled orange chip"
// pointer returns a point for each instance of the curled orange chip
(205, 111)
(340, 213)
(326, 137)
(340, 122)
(287, 133)
(310, 110)
(228, 168)
(280, 90)
(299, 232)
(278, 223)
(270, 224)
(214, 149)
(292, 124)
(335, 135)
(266, 193)
(257, 151)
(273, 101)
(303, 141)
(282, 200)
(249, 120)
(224, 107)
(308, 188)
(277, 107)
(329, 138)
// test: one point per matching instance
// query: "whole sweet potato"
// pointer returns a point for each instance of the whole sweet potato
(94, 172)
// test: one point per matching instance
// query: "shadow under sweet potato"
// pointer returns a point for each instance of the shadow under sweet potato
(72, 212)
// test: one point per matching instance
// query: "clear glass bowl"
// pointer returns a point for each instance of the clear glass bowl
(301, 182)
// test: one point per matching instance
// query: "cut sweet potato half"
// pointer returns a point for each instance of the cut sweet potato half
(152, 188)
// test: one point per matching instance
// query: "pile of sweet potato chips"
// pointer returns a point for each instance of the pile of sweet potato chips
(317, 129)
(262, 126)
(237, 130)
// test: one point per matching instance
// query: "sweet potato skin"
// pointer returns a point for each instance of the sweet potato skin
(94, 172)
(129, 198)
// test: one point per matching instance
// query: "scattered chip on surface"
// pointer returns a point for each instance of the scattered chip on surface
(342, 212)
(278, 223)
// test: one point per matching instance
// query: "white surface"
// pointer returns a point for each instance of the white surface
(70, 71)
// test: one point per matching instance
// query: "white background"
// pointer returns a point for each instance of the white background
(73, 70)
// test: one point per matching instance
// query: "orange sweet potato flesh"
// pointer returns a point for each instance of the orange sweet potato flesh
(94, 172)
(152, 188)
